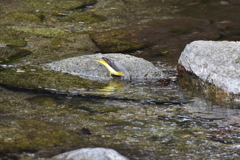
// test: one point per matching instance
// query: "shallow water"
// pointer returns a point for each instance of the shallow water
(182, 127)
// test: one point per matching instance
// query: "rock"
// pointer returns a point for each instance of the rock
(11, 54)
(12, 40)
(33, 17)
(20, 134)
(90, 154)
(35, 78)
(88, 17)
(214, 62)
(59, 5)
(47, 32)
(116, 41)
(86, 66)
(76, 42)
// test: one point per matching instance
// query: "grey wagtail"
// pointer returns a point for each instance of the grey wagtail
(115, 68)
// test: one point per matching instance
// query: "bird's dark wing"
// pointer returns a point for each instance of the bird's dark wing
(111, 63)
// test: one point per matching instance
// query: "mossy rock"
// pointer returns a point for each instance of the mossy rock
(35, 78)
(47, 32)
(116, 41)
(87, 17)
(12, 40)
(60, 4)
(26, 16)
(22, 135)
(9, 54)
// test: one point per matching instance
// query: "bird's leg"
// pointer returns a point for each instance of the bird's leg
(110, 75)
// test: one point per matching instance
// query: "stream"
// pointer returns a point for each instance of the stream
(44, 113)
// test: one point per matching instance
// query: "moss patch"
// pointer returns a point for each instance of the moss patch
(17, 54)
(47, 32)
(37, 79)
(12, 40)
(26, 16)
(33, 135)
(116, 41)
(198, 88)
(60, 4)
(87, 17)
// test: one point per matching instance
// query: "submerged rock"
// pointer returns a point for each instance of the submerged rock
(12, 40)
(87, 67)
(47, 32)
(59, 5)
(150, 37)
(117, 41)
(35, 78)
(88, 17)
(10, 54)
(19, 134)
(214, 62)
(33, 17)
(90, 154)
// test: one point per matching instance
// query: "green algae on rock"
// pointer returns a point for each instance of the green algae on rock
(33, 17)
(9, 55)
(87, 17)
(81, 42)
(47, 32)
(60, 4)
(19, 135)
(116, 41)
(47, 50)
(34, 78)
(12, 40)
(44, 101)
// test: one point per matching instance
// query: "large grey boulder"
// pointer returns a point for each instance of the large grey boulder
(90, 154)
(217, 62)
(87, 67)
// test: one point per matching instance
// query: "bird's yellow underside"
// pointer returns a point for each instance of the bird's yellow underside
(111, 70)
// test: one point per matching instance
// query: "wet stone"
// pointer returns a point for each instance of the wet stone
(47, 32)
(78, 42)
(18, 135)
(59, 5)
(116, 41)
(35, 78)
(43, 100)
(86, 66)
(87, 17)
(10, 54)
(12, 40)
(90, 154)
(215, 62)
(26, 16)
(158, 37)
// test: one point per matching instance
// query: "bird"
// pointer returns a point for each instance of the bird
(115, 68)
